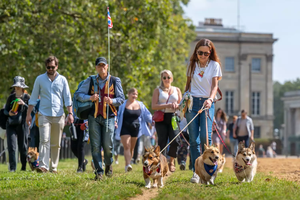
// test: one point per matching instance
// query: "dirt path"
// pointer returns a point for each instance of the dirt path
(285, 168)
(149, 193)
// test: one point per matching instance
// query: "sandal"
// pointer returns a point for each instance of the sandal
(172, 168)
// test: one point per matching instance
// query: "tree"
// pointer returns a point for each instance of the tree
(147, 37)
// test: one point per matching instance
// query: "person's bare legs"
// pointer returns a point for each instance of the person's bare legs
(126, 141)
(132, 146)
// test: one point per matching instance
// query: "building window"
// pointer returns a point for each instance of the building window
(255, 103)
(229, 102)
(256, 131)
(229, 64)
(256, 64)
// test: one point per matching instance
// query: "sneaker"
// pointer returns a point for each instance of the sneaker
(98, 177)
(79, 170)
(108, 170)
(128, 168)
(117, 162)
(12, 170)
(85, 162)
(182, 166)
(138, 161)
(53, 172)
(41, 170)
(195, 178)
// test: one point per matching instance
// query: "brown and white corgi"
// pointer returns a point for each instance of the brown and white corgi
(155, 166)
(245, 162)
(33, 158)
(206, 165)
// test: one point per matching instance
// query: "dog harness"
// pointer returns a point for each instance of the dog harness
(238, 168)
(210, 169)
(157, 170)
(35, 164)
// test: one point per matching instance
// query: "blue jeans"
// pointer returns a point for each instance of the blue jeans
(100, 138)
(233, 145)
(197, 129)
(244, 138)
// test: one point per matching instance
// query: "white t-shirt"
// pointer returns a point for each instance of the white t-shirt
(163, 97)
(201, 86)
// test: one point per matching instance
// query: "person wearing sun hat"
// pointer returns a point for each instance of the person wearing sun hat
(16, 126)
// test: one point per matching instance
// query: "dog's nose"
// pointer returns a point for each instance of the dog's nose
(248, 159)
(217, 157)
(146, 163)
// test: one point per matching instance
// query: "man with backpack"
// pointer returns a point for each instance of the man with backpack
(106, 92)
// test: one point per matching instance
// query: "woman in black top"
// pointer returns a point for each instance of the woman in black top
(16, 125)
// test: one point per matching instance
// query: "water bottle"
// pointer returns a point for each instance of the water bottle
(73, 132)
(174, 123)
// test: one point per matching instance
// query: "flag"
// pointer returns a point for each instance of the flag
(110, 24)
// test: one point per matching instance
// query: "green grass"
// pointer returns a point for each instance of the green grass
(227, 187)
(70, 185)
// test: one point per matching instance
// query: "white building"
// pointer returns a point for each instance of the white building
(247, 65)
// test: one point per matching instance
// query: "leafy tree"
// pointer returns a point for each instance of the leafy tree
(147, 37)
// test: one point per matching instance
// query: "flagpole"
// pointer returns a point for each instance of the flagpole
(107, 105)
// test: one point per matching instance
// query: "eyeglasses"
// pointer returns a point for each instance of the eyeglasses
(50, 67)
(200, 53)
(166, 77)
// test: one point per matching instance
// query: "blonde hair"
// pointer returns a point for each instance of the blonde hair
(161, 86)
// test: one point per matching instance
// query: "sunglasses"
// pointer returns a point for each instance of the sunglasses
(166, 77)
(50, 67)
(200, 53)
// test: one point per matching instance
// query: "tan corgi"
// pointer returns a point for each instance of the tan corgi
(245, 162)
(222, 161)
(33, 158)
(155, 166)
(206, 165)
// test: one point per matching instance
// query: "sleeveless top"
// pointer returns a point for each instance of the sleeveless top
(163, 97)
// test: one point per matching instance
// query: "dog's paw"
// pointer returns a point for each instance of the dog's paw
(148, 186)
(154, 185)
(221, 170)
(161, 186)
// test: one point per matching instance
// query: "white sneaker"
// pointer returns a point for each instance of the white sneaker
(195, 178)
(128, 168)
(117, 162)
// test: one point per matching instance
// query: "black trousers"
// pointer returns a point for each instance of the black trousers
(14, 132)
(78, 145)
(34, 137)
(165, 134)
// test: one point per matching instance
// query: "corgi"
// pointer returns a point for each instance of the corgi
(206, 165)
(155, 166)
(245, 162)
(33, 158)
(222, 161)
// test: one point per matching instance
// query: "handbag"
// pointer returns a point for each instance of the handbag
(15, 120)
(158, 116)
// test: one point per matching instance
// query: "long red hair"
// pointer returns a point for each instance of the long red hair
(213, 54)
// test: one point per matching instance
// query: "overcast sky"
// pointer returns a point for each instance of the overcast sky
(280, 17)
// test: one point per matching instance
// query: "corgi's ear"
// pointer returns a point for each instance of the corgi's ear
(146, 150)
(252, 147)
(157, 150)
(35, 149)
(241, 145)
(205, 147)
(224, 155)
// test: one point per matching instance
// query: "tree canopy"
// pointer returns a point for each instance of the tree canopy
(147, 37)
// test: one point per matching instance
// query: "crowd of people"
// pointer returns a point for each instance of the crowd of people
(127, 122)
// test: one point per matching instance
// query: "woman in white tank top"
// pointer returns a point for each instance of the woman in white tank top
(167, 98)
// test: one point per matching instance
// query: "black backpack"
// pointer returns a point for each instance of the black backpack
(3, 119)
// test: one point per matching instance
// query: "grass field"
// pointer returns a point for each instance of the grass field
(70, 185)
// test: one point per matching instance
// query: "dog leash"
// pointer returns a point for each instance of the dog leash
(214, 124)
(199, 112)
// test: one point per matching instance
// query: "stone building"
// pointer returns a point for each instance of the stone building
(291, 132)
(247, 65)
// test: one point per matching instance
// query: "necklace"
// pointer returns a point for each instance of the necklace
(202, 70)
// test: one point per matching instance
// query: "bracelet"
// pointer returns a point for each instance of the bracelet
(70, 114)
(211, 99)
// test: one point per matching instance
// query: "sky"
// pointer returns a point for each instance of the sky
(280, 17)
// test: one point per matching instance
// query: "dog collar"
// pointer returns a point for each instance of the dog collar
(210, 169)
(238, 168)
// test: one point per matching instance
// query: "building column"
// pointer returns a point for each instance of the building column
(287, 128)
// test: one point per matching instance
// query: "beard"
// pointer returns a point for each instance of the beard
(51, 72)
